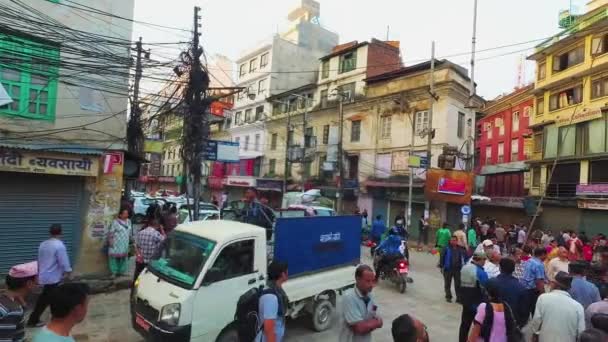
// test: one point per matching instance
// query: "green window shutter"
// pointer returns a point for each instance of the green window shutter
(29, 72)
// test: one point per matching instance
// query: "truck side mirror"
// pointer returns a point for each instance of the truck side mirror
(213, 275)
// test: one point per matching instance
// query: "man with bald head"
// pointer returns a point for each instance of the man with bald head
(558, 264)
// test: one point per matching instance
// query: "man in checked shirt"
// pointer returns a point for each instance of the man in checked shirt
(148, 241)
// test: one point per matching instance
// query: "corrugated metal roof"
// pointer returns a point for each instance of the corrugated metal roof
(73, 149)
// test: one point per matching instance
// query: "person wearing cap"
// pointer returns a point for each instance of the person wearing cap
(20, 281)
(582, 290)
(487, 246)
(472, 280)
(53, 267)
(558, 317)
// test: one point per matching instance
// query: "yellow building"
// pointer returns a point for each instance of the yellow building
(569, 123)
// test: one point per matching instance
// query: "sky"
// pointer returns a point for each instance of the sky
(232, 26)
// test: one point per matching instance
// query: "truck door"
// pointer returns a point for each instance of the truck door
(231, 274)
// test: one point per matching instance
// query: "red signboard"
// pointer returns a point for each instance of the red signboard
(451, 186)
(218, 107)
(216, 183)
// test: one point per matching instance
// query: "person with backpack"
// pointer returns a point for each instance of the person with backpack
(494, 321)
(272, 305)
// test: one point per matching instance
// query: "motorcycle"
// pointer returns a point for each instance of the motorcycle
(396, 269)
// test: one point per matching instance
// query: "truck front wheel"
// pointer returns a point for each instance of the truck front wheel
(322, 315)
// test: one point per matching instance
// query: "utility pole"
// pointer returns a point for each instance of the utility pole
(469, 163)
(340, 203)
(288, 143)
(429, 137)
(411, 169)
(135, 133)
(195, 121)
(304, 118)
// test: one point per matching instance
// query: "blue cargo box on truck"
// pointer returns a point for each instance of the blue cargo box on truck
(312, 244)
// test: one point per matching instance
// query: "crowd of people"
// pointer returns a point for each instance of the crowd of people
(556, 284)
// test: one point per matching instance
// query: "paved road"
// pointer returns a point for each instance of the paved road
(108, 318)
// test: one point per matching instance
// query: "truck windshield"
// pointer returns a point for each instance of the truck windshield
(182, 258)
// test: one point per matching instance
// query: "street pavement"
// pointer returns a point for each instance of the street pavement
(108, 318)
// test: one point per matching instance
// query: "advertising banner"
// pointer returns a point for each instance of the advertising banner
(48, 163)
(452, 186)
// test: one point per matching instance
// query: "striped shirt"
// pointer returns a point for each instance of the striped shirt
(12, 320)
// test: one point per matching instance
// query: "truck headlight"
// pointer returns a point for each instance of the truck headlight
(170, 314)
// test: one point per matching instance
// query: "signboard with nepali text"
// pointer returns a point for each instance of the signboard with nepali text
(48, 163)
(580, 116)
(592, 189)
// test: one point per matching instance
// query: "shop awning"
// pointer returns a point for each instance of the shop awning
(74, 149)
(504, 168)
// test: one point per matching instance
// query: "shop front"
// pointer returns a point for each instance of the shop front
(160, 184)
(270, 189)
(78, 188)
(237, 185)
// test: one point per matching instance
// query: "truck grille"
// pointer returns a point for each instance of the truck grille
(146, 311)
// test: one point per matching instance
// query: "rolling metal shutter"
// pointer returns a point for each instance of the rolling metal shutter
(29, 204)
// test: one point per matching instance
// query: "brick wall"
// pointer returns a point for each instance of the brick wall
(382, 58)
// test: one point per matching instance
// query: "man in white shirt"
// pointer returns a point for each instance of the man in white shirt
(558, 317)
(521, 236)
(559, 264)
(491, 266)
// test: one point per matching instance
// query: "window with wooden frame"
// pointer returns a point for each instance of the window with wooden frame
(542, 71)
(599, 44)
(538, 142)
(515, 121)
(355, 131)
(599, 87)
(242, 71)
(263, 60)
(325, 134)
(273, 141)
(488, 155)
(566, 97)
(501, 153)
(325, 69)
(569, 59)
(29, 74)
(514, 150)
(348, 61)
(385, 126)
(540, 106)
(253, 65)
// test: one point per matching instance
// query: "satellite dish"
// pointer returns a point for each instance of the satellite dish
(4, 97)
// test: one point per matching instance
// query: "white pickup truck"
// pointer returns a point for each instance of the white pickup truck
(191, 292)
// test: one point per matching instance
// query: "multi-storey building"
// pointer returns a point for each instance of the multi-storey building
(272, 67)
(312, 113)
(502, 146)
(570, 157)
(63, 103)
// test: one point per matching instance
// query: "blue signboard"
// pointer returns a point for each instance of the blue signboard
(424, 162)
(223, 151)
(311, 244)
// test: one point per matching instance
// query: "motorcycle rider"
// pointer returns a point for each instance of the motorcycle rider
(388, 251)
(399, 227)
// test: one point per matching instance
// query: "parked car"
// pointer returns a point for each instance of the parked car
(140, 206)
(206, 211)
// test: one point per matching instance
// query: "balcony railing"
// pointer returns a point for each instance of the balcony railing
(561, 190)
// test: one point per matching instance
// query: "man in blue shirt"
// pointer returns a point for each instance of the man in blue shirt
(582, 290)
(451, 260)
(378, 228)
(510, 290)
(53, 266)
(534, 280)
(273, 305)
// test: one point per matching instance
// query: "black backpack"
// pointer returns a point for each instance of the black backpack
(247, 317)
